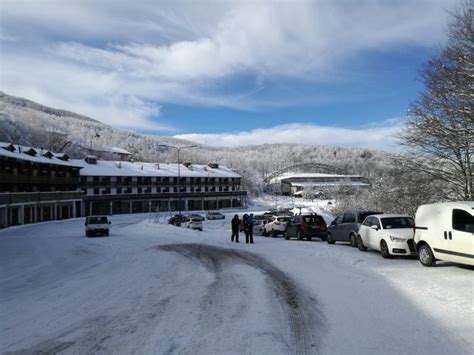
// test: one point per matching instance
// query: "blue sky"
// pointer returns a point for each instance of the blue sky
(226, 72)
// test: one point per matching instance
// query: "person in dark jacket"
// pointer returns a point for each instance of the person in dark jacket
(250, 228)
(245, 227)
(235, 228)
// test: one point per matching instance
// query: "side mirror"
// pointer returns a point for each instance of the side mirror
(374, 227)
(85, 224)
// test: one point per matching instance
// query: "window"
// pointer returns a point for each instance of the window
(349, 218)
(463, 221)
(96, 191)
(397, 223)
(314, 220)
(338, 219)
(371, 221)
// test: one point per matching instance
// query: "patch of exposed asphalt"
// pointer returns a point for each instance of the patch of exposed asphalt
(306, 320)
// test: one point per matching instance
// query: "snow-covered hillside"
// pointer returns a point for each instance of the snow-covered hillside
(28, 123)
(155, 288)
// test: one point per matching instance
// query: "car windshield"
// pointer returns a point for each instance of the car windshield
(97, 220)
(397, 222)
(314, 220)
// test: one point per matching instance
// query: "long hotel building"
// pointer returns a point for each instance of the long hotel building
(37, 185)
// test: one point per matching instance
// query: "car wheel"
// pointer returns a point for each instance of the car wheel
(107, 233)
(287, 237)
(330, 240)
(353, 240)
(88, 235)
(384, 250)
(274, 234)
(425, 255)
(360, 244)
(309, 238)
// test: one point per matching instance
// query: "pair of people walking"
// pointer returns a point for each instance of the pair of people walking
(246, 224)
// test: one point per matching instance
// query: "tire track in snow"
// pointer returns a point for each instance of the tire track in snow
(306, 320)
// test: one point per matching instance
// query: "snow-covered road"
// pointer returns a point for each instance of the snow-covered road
(155, 288)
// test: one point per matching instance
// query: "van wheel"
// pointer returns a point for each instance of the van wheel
(330, 240)
(360, 244)
(425, 255)
(353, 240)
(384, 250)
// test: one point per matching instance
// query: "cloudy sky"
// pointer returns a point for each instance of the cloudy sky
(226, 72)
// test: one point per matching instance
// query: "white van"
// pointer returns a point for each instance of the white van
(445, 231)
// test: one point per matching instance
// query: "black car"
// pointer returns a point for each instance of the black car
(345, 226)
(307, 226)
(177, 219)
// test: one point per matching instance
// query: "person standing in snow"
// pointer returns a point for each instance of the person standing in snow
(250, 228)
(235, 228)
(245, 227)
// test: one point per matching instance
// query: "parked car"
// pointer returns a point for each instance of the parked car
(215, 215)
(192, 223)
(97, 225)
(276, 226)
(197, 216)
(445, 231)
(307, 226)
(177, 219)
(345, 226)
(391, 234)
(258, 226)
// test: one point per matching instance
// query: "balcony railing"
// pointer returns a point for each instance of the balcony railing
(25, 197)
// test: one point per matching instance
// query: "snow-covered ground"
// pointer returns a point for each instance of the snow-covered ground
(155, 288)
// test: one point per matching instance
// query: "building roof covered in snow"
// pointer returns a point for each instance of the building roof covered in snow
(114, 168)
(36, 155)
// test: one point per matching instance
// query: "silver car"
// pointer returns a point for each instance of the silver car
(345, 226)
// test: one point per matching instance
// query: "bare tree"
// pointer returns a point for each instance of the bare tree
(439, 131)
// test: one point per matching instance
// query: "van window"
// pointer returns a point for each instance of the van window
(463, 221)
(349, 218)
(338, 219)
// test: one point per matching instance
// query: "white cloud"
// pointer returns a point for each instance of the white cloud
(113, 60)
(376, 137)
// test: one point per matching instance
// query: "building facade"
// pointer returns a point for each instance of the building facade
(37, 185)
(319, 184)
(112, 187)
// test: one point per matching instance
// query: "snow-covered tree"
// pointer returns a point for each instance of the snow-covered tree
(439, 132)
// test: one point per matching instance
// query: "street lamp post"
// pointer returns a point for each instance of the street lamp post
(179, 170)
